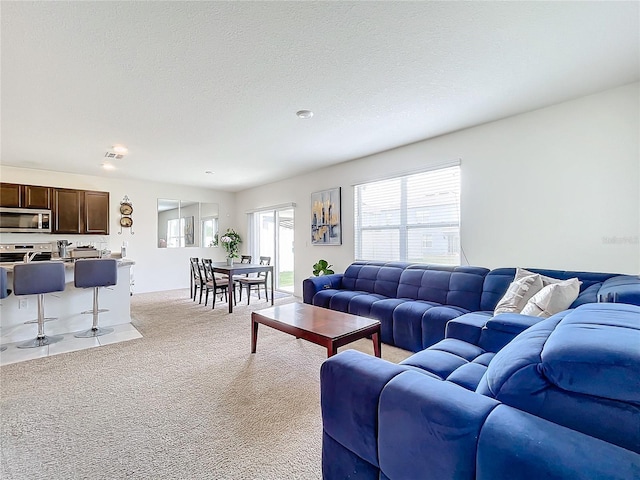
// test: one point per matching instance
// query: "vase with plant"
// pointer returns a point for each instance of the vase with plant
(322, 268)
(231, 241)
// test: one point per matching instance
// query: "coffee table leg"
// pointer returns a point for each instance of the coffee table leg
(331, 350)
(376, 344)
(254, 334)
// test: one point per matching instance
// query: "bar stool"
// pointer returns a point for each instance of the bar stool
(4, 293)
(38, 278)
(95, 273)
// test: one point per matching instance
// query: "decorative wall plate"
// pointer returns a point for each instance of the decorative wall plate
(126, 222)
(126, 209)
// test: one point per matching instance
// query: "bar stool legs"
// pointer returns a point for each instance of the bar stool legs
(95, 273)
(46, 319)
(41, 339)
(95, 330)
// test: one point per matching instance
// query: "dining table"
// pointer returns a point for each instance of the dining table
(241, 269)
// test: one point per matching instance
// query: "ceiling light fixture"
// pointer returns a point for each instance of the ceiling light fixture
(304, 114)
(108, 166)
(120, 149)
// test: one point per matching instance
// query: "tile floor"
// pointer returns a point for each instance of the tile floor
(69, 343)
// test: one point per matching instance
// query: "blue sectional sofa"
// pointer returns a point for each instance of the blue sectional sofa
(559, 400)
(414, 303)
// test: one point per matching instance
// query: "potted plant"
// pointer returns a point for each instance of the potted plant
(231, 241)
(322, 268)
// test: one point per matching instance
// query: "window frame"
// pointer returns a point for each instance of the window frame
(450, 227)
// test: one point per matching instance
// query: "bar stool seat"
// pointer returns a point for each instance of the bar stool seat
(95, 273)
(38, 278)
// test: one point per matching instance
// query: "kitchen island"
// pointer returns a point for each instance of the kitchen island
(66, 306)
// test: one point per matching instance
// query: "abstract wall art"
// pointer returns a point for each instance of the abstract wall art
(325, 217)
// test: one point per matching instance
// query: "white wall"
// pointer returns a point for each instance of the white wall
(156, 269)
(555, 188)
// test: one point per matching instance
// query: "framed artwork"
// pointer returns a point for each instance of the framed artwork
(326, 228)
(188, 231)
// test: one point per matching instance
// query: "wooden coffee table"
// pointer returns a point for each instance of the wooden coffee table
(321, 326)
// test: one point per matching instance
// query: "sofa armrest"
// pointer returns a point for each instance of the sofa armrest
(429, 428)
(515, 445)
(467, 327)
(312, 285)
(621, 289)
(503, 328)
(350, 386)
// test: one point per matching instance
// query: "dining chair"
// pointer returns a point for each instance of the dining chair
(192, 278)
(259, 280)
(243, 259)
(198, 279)
(214, 283)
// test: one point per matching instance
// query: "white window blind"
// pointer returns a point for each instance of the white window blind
(413, 218)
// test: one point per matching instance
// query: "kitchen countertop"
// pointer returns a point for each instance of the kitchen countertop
(68, 264)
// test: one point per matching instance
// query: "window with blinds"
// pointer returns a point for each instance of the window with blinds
(413, 218)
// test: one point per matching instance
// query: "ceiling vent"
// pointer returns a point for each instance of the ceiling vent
(115, 155)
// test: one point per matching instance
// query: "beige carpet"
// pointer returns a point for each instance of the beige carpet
(186, 401)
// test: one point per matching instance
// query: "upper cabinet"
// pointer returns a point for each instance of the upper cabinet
(24, 196)
(80, 211)
(11, 195)
(67, 211)
(96, 212)
(37, 196)
(73, 211)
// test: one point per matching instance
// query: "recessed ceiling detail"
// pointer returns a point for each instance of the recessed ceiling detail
(304, 113)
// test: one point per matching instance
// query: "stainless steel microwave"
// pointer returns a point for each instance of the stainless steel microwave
(25, 220)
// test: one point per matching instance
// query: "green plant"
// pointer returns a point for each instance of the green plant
(231, 241)
(322, 268)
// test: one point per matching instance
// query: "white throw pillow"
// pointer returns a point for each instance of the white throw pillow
(524, 286)
(545, 280)
(553, 298)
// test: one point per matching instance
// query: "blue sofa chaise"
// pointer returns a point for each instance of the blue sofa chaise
(415, 302)
(559, 400)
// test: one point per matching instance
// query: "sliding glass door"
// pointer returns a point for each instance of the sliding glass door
(272, 236)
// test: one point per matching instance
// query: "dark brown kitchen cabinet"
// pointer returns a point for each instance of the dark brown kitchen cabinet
(67, 211)
(96, 212)
(73, 211)
(11, 195)
(37, 196)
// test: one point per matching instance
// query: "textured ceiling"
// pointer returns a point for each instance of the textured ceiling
(196, 86)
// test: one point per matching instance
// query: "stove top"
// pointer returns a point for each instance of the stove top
(15, 252)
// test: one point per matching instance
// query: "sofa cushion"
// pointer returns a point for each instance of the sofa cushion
(621, 288)
(446, 357)
(373, 277)
(407, 324)
(439, 437)
(579, 375)
(517, 446)
(446, 285)
(596, 351)
(553, 298)
(382, 310)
